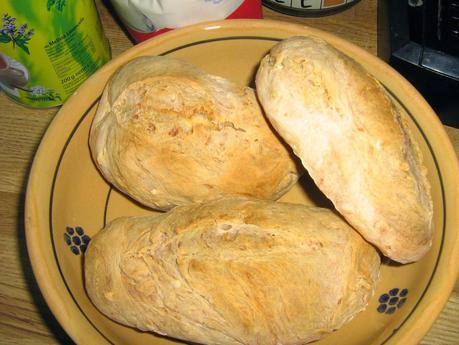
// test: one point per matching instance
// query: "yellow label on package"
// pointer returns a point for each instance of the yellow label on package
(48, 48)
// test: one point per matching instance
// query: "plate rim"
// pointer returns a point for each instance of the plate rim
(404, 335)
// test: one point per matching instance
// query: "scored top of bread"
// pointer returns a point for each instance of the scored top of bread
(353, 141)
(233, 271)
(167, 133)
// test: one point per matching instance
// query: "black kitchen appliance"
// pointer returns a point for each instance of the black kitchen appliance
(424, 47)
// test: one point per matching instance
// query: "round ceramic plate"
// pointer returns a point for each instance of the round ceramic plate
(68, 201)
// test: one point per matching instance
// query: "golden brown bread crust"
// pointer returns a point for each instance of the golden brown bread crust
(352, 140)
(233, 271)
(166, 133)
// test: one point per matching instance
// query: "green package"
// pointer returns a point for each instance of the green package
(48, 48)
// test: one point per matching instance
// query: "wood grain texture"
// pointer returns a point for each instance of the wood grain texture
(20, 132)
(445, 330)
(453, 134)
(24, 316)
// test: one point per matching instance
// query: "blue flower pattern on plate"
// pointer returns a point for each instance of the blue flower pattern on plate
(391, 301)
(76, 239)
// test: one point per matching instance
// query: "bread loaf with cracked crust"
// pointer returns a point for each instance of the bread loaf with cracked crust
(353, 141)
(167, 133)
(233, 271)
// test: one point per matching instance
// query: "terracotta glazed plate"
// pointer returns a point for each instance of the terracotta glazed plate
(68, 201)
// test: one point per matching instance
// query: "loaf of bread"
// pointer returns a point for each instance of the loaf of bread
(166, 133)
(234, 271)
(352, 140)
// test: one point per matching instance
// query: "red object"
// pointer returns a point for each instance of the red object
(2, 63)
(249, 9)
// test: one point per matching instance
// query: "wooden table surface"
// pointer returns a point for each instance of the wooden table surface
(24, 315)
